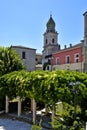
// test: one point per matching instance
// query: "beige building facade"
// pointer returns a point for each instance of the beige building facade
(28, 56)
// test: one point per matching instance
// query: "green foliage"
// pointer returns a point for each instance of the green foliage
(57, 124)
(9, 61)
(44, 86)
(35, 127)
(66, 120)
(2, 102)
(49, 88)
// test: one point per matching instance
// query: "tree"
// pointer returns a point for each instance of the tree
(66, 95)
(9, 61)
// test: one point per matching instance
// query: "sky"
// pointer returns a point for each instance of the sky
(23, 22)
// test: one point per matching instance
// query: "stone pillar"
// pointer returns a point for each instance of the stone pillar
(53, 113)
(31, 105)
(86, 126)
(19, 106)
(7, 104)
(34, 111)
(46, 109)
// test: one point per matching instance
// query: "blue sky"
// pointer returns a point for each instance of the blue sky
(23, 22)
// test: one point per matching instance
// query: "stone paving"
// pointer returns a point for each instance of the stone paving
(14, 124)
(9, 124)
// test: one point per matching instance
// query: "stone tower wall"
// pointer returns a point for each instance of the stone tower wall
(85, 42)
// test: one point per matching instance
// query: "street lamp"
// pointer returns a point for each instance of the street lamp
(74, 84)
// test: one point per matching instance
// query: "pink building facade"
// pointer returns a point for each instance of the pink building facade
(70, 58)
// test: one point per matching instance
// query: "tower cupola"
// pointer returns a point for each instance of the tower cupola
(50, 25)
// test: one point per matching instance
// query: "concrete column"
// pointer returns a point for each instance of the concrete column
(19, 106)
(7, 104)
(34, 111)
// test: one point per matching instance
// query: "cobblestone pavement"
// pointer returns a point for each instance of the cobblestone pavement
(13, 124)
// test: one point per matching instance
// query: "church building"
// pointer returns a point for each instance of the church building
(73, 57)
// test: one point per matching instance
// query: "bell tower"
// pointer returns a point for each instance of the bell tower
(50, 41)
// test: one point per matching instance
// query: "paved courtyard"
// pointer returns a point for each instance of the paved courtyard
(10, 124)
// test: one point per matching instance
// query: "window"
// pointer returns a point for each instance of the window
(49, 61)
(76, 58)
(67, 59)
(36, 59)
(53, 40)
(57, 61)
(23, 55)
(46, 41)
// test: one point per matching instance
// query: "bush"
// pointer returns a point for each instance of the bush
(36, 127)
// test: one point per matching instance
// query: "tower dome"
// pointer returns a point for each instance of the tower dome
(50, 25)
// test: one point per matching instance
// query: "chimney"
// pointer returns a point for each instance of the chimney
(82, 41)
(64, 46)
(70, 45)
